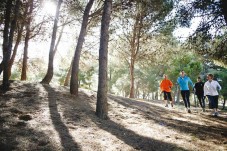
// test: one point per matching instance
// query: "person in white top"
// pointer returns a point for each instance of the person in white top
(211, 88)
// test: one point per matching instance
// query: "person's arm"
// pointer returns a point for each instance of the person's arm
(205, 89)
(194, 87)
(191, 83)
(161, 85)
(178, 80)
(219, 87)
(170, 84)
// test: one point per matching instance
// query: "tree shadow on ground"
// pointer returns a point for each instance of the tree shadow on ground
(129, 137)
(15, 133)
(152, 112)
(67, 140)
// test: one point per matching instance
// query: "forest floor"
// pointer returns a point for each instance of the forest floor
(44, 117)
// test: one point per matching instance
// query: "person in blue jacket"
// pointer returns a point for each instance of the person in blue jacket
(184, 82)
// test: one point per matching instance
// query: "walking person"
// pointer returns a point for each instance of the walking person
(184, 82)
(198, 88)
(211, 88)
(166, 86)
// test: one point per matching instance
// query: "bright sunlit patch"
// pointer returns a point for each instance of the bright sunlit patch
(49, 8)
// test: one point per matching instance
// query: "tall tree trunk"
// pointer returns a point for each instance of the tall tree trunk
(224, 10)
(67, 78)
(178, 94)
(59, 39)
(8, 40)
(224, 103)
(132, 79)
(74, 85)
(134, 44)
(18, 40)
(19, 35)
(109, 80)
(102, 106)
(50, 70)
(27, 37)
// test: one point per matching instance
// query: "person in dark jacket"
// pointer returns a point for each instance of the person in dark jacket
(198, 88)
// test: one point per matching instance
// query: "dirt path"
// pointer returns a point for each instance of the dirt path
(41, 117)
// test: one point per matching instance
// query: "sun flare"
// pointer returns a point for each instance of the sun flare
(49, 8)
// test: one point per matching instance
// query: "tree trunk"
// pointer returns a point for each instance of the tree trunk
(8, 40)
(132, 83)
(59, 39)
(224, 103)
(102, 106)
(109, 80)
(66, 83)
(74, 85)
(50, 70)
(178, 94)
(224, 10)
(156, 95)
(134, 44)
(27, 37)
(144, 94)
(19, 35)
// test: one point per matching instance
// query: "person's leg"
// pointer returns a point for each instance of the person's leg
(187, 98)
(183, 94)
(199, 97)
(170, 98)
(203, 102)
(209, 100)
(216, 105)
(212, 103)
(187, 95)
(165, 99)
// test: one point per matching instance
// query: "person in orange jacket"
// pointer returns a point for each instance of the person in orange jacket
(166, 86)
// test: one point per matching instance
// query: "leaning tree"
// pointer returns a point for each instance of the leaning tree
(50, 70)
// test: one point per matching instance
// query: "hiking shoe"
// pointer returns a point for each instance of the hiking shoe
(172, 104)
(204, 110)
(216, 114)
(189, 111)
(166, 105)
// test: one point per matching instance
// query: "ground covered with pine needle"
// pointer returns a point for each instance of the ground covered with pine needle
(46, 117)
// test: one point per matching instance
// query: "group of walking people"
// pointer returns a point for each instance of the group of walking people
(208, 89)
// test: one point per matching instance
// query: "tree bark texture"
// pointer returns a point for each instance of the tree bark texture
(27, 37)
(8, 34)
(224, 103)
(74, 85)
(59, 39)
(134, 44)
(67, 78)
(224, 10)
(18, 40)
(102, 106)
(50, 70)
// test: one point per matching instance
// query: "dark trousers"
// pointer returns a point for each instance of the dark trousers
(185, 95)
(167, 95)
(213, 100)
(201, 99)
